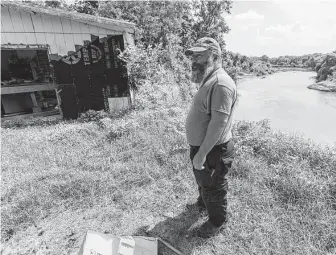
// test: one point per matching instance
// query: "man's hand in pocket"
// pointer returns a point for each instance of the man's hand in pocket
(198, 161)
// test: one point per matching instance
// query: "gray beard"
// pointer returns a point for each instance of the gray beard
(199, 75)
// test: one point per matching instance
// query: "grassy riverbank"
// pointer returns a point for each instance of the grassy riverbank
(131, 174)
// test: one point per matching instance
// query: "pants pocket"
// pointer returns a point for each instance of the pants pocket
(205, 177)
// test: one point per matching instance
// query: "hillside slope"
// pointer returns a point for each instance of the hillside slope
(131, 175)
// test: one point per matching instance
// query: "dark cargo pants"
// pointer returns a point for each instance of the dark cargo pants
(212, 181)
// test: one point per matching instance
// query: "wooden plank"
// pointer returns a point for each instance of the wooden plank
(115, 28)
(125, 40)
(10, 37)
(131, 97)
(85, 29)
(33, 98)
(61, 46)
(78, 40)
(76, 33)
(69, 42)
(4, 38)
(110, 33)
(75, 27)
(23, 47)
(93, 30)
(113, 32)
(47, 24)
(28, 28)
(26, 88)
(66, 26)
(41, 38)
(118, 103)
(59, 101)
(36, 114)
(170, 247)
(50, 38)
(6, 20)
(56, 24)
(37, 23)
(31, 38)
(16, 20)
(27, 22)
(102, 32)
(2, 28)
(18, 36)
(36, 107)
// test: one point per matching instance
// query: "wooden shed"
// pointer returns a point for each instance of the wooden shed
(52, 57)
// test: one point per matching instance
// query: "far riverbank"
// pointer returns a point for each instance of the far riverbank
(246, 76)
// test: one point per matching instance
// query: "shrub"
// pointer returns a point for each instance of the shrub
(92, 115)
(159, 75)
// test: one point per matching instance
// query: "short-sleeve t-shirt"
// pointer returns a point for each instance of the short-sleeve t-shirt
(218, 93)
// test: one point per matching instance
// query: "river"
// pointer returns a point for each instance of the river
(285, 100)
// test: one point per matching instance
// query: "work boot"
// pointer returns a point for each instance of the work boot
(207, 229)
(198, 206)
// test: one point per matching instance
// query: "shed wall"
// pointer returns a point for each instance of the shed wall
(61, 34)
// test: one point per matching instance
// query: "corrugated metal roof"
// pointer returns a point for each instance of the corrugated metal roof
(86, 18)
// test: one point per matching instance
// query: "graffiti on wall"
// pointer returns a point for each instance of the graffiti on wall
(91, 75)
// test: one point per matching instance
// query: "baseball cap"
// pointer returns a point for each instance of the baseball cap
(203, 44)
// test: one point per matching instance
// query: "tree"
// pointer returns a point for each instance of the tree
(157, 20)
(53, 4)
(209, 20)
(243, 59)
(236, 59)
(264, 58)
(87, 7)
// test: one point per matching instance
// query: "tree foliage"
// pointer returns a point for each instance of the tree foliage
(157, 20)
(53, 4)
(87, 7)
(209, 19)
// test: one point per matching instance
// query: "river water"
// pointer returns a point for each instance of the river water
(285, 100)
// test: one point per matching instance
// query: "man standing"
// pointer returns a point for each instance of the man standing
(208, 129)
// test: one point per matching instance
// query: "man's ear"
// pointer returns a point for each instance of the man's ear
(211, 55)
